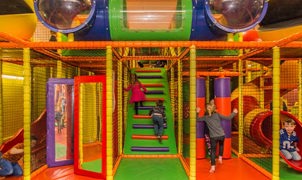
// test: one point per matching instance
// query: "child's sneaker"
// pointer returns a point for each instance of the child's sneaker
(159, 139)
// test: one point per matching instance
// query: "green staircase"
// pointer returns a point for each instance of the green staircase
(140, 138)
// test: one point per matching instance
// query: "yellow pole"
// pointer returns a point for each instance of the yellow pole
(207, 89)
(276, 112)
(78, 71)
(235, 67)
(27, 111)
(240, 101)
(59, 69)
(100, 103)
(126, 53)
(81, 132)
(120, 106)
(70, 37)
(240, 109)
(247, 71)
(300, 90)
(230, 37)
(109, 110)
(92, 122)
(126, 83)
(1, 100)
(133, 61)
(59, 39)
(192, 113)
(172, 81)
(59, 63)
(172, 90)
(261, 87)
(51, 72)
(166, 51)
(180, 112)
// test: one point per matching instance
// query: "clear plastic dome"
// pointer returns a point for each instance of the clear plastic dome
(64, 14)
(235, 14)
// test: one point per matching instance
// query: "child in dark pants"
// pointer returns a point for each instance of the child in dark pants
(206, 129)
(158, 117)
(216, 132)
(207, 138)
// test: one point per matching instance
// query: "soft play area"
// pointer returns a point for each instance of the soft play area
(66, 67)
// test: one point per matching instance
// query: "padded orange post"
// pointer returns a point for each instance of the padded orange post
(227, 153)
(223, 105)
(200, 146)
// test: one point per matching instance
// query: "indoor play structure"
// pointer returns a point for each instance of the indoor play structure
(150, 20)
(65, 65)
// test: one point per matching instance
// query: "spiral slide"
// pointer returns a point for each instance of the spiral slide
(260, 131)
(258, 126)
(258, 121)
(140, 139)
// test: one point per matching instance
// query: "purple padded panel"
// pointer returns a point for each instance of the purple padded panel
(222, 87)
(150, 149)
(200, 125)
(51, 157)
(154, 92)
(201, 90)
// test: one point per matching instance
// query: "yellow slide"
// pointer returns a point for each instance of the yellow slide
(280, 30)
(18, 20)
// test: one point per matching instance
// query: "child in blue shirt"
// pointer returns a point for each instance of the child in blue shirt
(289, 140)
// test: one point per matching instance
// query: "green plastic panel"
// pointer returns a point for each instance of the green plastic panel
(128, 22)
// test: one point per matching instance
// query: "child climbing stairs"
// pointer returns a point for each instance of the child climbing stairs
(140, 138)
